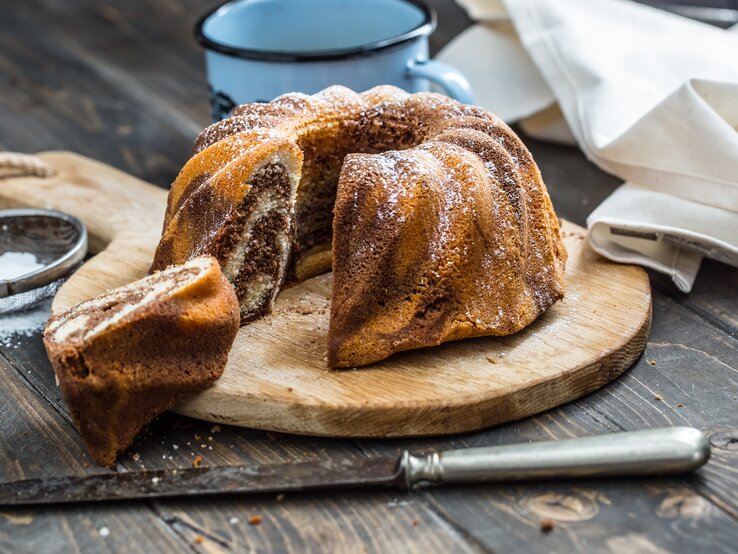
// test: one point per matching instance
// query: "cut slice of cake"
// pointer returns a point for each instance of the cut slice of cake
(124, 357)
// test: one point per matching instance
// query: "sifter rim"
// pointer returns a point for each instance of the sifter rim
(54, 270)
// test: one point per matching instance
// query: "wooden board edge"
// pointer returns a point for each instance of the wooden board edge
(444, 420)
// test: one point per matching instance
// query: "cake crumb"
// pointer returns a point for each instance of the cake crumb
(303, 309)
(280, 497)
(547, 525)
(215, 429)
(658, 397)
(197, 437)
(255, 520)
(415, 522)
(289, 389)
(199, 539)
(680, 405)
(651, 362)
(136, 456)
(197, 461)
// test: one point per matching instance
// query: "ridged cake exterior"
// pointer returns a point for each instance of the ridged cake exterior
(432, 214)
(124, 357)
(448, 240)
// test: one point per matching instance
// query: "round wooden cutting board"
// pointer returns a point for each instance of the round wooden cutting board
(277, 377)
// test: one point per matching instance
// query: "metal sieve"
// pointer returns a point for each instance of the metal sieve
(57, 240)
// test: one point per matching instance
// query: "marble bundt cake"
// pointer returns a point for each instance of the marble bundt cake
(126, 356)
(432, 213)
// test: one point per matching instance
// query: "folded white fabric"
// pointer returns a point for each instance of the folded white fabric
(638, 226)
(649, 96)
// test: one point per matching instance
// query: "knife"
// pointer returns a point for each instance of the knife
(665, 451)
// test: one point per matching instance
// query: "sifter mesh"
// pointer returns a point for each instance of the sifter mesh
(58, 241)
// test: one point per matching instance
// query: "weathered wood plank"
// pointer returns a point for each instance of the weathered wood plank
(621, 516)
(363, 521)
(687, 376)
(121, 527)
(715, 296)
(51, 100)
(128, 48)
(302, 523)
(35, 441)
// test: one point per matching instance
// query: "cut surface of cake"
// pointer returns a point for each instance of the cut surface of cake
(124, 357)
(235, 201)
(431, 213)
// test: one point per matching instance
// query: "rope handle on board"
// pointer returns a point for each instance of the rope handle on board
(15, 164)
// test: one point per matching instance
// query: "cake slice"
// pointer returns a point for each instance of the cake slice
(124, 357)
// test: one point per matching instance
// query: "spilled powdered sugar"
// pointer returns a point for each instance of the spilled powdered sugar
(26, 323)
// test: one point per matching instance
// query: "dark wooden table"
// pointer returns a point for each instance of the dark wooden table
(123, 83)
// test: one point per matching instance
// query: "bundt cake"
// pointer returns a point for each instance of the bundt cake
(126, 356)
(432, 213)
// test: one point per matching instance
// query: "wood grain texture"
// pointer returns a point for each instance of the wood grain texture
(127, 527)
(685, 377)
(345, 522)
(37, 441)
(63, 67)
(276, 376)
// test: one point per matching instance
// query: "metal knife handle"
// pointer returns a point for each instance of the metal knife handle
(652, 452)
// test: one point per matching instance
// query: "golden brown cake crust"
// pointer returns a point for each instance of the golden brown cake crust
(240, 188)
(448, 240)
(440, 225)
(117, 380)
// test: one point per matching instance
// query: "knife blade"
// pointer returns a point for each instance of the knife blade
(203, 481)
(665, 451)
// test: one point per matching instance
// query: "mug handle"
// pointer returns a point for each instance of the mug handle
(445, 76)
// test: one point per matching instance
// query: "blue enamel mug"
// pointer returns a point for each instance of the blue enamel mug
(256, 50)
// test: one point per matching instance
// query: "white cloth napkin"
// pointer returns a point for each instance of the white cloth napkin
(648, 96)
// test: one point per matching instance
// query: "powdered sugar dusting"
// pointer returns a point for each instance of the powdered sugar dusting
(15, 326)
(486, 253)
